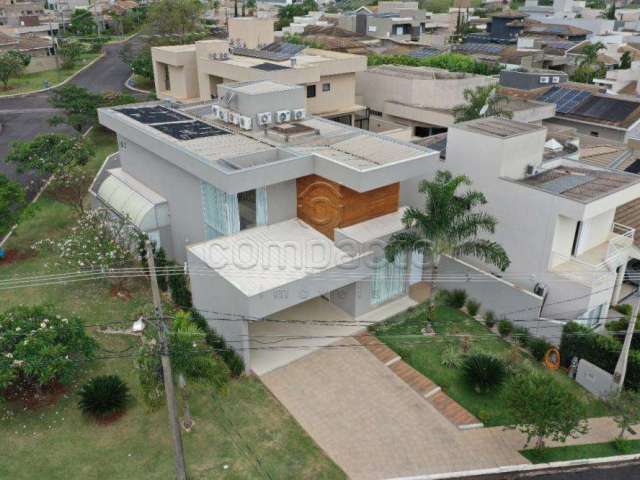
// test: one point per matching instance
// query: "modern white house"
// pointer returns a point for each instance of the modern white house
(555, 214)
(271, 208)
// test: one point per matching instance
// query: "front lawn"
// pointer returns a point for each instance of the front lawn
(402, 334)
(242, 433)
(30, 82)
(576, 452)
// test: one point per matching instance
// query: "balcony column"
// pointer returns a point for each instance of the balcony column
(617, 289)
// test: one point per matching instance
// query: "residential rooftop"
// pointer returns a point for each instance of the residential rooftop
(499, 127)
(419, 73)
(580, 184)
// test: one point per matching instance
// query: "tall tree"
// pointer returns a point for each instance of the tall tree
(543, 409)
(447, 225)
(175, 17)
(590, 53)
(625, 61)
(482, 102)
(625, 410)
(11, 66)
(49, 153)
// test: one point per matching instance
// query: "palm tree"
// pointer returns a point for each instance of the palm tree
(590, 52)
(191, 359)
(447, 226)
(482, 102)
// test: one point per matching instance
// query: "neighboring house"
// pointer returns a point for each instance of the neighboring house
(555, 216)
(401, 21)
(423, 98)
(40, 49)
(583, 107)
(622, 82)
(270, 207)
(16, 13)
(192, 73)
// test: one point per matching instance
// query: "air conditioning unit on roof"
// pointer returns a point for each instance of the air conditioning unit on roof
(245, 122)
(264, 118)
(215, 109)
(283, 116)
(298, 114)
(223, 114)
(234, 118)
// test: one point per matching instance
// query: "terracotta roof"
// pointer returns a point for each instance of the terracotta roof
(533, 26)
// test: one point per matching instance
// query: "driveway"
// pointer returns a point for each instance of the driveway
(298, 331)
(372, 424)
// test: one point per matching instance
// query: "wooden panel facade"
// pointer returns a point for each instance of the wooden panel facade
(326, 205)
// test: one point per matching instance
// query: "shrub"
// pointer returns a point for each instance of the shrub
(538, 347)
(457, 298)
(103, 396)
(180, 293)
(40, 347)
(603, 351)
(473, 307)
(217, 343)
(483, 372)
(489, 319)
(622, 446)
(625, 309)
(452, 357)
(521, 334)
(505, 327)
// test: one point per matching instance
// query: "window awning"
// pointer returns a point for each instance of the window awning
(130, 198)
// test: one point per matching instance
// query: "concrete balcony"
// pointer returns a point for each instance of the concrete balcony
(595, 265)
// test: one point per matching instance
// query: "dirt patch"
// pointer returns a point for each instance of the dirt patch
(109, 419)
(29, 397)
(12, 256)
(120, 292)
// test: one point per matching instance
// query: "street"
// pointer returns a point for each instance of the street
(24, 117)
(625, 472)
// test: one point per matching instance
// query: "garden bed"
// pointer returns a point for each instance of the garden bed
(403, 334)
(577, 452)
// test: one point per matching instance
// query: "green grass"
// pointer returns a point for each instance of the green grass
(576, 452)
(35, 81)
(405, 328)
(240, 433)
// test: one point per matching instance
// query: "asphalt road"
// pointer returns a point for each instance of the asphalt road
(22, 118)
(626, 472)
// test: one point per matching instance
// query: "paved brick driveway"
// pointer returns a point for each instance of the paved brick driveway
(372, 424)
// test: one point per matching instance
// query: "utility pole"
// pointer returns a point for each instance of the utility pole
(172, 408)
(54, 47)
(621, 367)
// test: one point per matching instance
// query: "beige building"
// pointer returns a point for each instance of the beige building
(423, 98)
(190, 73)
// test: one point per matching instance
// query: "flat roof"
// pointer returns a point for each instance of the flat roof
(375, 228)
(260, 259)
(420, 73)
(499, 127)
(259, 87)
(580, 184)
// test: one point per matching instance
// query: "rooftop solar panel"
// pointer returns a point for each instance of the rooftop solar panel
(270, 67)
(263, 54)
(425, 52)
(565, 182)
(634, 167)
(284, 48)
(566, 99)
(149, 115)
(606, 108)
(481, 48)
(190, 130)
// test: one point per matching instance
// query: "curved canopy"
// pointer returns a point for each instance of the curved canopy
(130, 198)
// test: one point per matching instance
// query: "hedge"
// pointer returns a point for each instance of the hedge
(603, 351)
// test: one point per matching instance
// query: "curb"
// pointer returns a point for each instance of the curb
(134, 89)
(524, 468)
(66, 80)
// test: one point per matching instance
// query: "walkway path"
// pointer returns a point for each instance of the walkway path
(372, 424)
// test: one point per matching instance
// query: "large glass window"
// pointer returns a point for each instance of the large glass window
(247, 208)
(389, 280)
